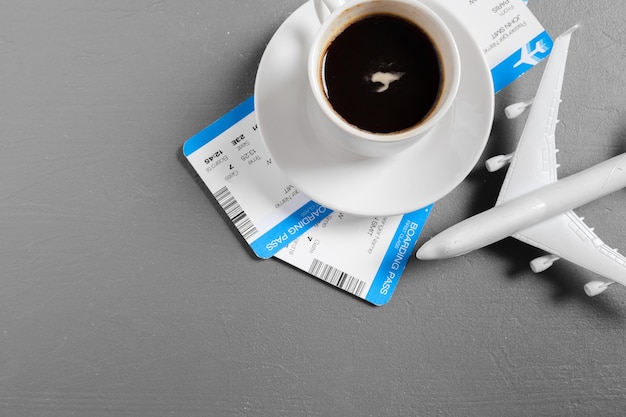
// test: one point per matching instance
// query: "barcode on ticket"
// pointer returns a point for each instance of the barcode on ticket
(235, 213)
(337, 278)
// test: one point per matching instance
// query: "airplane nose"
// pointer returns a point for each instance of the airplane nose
(427, 252)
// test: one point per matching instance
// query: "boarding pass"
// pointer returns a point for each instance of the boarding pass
(363, 256)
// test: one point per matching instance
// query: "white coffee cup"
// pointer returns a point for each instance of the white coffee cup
(335, 16)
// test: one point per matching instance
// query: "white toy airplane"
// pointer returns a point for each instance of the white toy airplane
(535, 207)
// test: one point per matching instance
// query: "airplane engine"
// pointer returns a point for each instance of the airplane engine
(514, 110)
(497, 162)
(542, 263)
(594, 288)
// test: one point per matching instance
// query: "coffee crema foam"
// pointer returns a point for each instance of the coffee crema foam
(385, 78)
(382, 74)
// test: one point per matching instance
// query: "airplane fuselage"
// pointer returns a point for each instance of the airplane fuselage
(529, 209)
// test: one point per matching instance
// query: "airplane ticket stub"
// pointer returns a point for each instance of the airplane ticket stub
(231, 159)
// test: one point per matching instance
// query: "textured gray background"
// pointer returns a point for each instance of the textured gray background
(124, 292)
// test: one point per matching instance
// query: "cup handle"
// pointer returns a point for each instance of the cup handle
(323, 8)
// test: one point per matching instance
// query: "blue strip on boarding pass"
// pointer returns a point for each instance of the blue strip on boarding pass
(289, 229)
(218, 127)
(397, 256)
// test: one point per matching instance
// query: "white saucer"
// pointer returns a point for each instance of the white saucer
(359, 185)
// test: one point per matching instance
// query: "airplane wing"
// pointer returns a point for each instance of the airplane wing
(568, 237)
(534, 162)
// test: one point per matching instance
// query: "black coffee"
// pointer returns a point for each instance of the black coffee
(382, 74)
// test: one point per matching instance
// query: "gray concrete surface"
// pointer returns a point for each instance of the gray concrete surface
(124, 292)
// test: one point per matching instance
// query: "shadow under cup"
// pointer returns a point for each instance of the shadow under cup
(371, 71)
